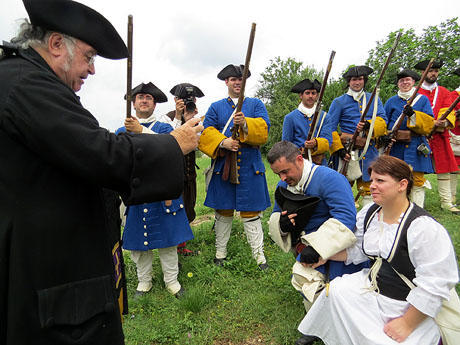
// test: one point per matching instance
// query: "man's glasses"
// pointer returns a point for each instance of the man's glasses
(89, 57)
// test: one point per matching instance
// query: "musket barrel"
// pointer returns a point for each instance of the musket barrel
(235, 129)
(129, 74)
(320, 97)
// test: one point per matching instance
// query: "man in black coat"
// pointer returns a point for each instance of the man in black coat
(58, 264)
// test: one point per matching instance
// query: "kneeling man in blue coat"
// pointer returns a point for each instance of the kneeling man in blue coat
(320, 226)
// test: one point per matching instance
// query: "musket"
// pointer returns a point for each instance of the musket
(235, 129)
(401, 118)
(352, 144)
(443, 116)
(319, 102)
(129, 77)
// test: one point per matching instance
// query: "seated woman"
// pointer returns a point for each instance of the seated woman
(375, 306)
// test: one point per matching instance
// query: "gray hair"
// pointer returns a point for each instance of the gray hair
(284, 149)
(30, 35)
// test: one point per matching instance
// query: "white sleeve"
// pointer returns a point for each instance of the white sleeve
(355, 253)
(436, 272)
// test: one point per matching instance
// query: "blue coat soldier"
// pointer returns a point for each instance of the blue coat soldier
(297, 123)
(345, 111)
(250, 196)
(157, 225)
(311, 232)
(411, 144)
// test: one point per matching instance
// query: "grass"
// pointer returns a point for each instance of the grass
(235, 304)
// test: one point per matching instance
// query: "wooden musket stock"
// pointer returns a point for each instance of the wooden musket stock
(443, 117)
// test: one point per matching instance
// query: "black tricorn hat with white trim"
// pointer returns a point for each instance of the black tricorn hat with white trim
(306, 84)
(151, 89)
(79, 21)
(232, 71)
(422, 65)
(358, 71)
(408, 73)
(303, 205)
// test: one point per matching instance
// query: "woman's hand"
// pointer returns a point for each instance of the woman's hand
(400, 328)
(397, 329)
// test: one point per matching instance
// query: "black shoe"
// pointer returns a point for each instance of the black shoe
(138, 294)
(219, 262)
(263, 267)
(180, 293)
(306, 340)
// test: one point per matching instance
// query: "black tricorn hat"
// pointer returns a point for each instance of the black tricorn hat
(408, 73)
(180, 88)
(421, 66)
(358, 71)
(232, 71)
(303, 205)
(306, 84)
(457, 71)
(151, 89)
(79, 21)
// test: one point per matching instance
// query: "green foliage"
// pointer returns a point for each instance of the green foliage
(441, 42)
(275, 91)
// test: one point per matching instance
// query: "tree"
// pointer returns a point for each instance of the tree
(441, 42)
(275, 91)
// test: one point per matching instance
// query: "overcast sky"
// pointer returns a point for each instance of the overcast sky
(191, 41)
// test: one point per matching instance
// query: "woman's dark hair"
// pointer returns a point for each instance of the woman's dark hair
(395, 167)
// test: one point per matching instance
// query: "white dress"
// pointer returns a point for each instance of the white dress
(352, 315)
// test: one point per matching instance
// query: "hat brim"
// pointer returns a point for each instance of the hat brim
(303, 205)
(79, 21)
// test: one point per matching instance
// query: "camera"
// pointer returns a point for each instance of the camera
(186, 93)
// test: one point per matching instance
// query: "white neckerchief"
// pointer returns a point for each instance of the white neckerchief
(429, 87)
(356, 95)
(299, 188)
(308, 112)
(235, 100)
(406, 95)
(151, 118)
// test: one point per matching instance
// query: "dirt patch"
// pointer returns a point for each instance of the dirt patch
(202, 219)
